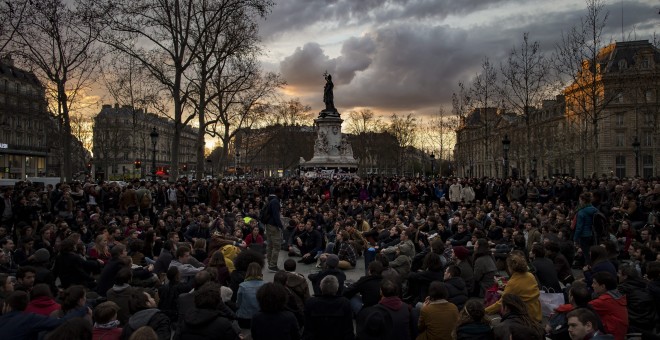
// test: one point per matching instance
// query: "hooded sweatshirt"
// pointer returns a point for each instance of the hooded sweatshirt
(400, 313)
(611, 306)
(42, 305)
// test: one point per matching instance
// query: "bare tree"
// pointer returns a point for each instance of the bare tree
(288, 113)
(165, 37)
(243, 93)
(363, 121)
(484, 96)
(57, 40)
(231, 36)
(525, 83)
(404, 130)
(578, 67)
(12, 14)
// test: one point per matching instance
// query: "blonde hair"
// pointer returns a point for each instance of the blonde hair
(517, 263)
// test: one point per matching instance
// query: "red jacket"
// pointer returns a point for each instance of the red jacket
(250, 239)
(613, 311)
(42, 305)
(106, 334)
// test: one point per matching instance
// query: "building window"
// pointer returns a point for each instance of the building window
(649, 96)
(647, 139)
(619, 97)
(648, 118)
(620, 139)
(618, 119)
(645, 62)
(622, 64)
(647, 166)
(620, 166)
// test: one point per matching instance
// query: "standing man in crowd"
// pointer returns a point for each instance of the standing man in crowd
(274, 226)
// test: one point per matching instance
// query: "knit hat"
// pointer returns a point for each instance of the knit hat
(41, 255)
(332, 261)
(461, 252)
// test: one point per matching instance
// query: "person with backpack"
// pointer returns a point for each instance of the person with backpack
(584, 236)
(270, 216)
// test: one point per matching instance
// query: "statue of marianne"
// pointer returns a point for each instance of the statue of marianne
(328, 97)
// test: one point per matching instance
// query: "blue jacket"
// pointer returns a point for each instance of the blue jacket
(274, 210)
(585, 220)
(19, 325)
(246, 299)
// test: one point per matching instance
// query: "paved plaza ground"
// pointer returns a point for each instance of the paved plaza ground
(306, 269)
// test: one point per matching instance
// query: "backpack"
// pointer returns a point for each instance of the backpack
(145, 201)
(599, 226)
(264, 214)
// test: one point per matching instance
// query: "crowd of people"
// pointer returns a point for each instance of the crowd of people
(444, 258)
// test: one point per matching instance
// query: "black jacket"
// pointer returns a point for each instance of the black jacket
(317, 277)
(474, 331)
(151, 317)
(74, 270)
(368, 287)
(206, 324)
(641, 309)
(546, 274)
(328, 317)
(107, 278)
(457, 290)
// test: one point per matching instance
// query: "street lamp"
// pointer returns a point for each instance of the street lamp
(211, 165)
(635, 146)
(534, 167)
(506, 144)
(238, 162)
(432, 164)
(154, 141)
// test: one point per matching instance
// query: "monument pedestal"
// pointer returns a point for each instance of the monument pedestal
(332, 151)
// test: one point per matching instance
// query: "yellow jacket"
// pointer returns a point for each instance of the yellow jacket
(524, 285)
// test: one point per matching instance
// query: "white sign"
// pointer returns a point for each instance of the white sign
(4, 146)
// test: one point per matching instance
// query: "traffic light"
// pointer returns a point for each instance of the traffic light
(89, 166)
(138, 164)
(185, 167)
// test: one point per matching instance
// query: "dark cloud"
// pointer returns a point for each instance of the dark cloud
(293, 15)
(303, 69)
(415, 65)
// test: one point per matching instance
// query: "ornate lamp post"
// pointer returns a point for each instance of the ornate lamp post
(506, 144)
(210, 161)
(635, 146)
(154, 140)
(432, 164)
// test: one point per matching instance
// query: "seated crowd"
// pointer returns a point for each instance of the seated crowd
(444, 258)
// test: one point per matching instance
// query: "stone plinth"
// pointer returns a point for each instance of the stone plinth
(332, 151)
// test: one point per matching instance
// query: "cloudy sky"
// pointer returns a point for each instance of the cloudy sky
(407, 56)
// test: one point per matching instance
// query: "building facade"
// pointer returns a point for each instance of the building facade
(123, 147)
(615, 133)
(30, 144)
